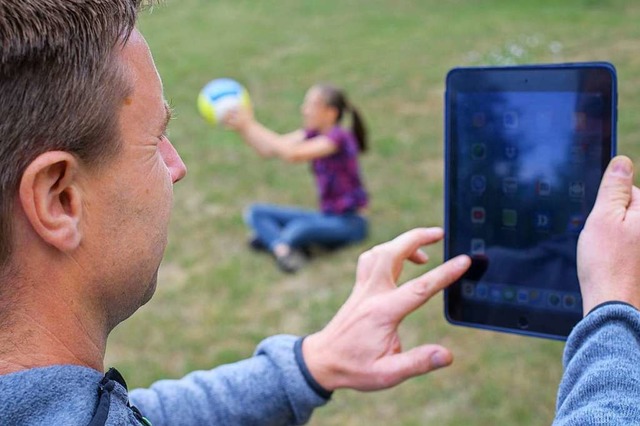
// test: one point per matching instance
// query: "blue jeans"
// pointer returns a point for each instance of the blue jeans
(299, 228)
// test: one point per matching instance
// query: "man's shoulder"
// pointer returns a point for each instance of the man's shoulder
(60, 394)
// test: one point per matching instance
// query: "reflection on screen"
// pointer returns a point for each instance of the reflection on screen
(527, 176)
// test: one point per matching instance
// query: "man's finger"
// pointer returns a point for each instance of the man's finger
(390, 256)
(614, 195)
(414, 362)
(419, 257)
(417, 291)
(406, 244)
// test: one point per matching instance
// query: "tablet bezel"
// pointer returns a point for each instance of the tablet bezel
(534, 78)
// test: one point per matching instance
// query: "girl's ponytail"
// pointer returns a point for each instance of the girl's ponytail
(336, 98)
(358, 128)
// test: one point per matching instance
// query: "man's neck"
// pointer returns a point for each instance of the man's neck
(38, 338)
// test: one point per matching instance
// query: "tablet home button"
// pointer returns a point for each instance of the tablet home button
(523, 323)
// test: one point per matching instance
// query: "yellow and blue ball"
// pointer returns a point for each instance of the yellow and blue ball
(219, 96)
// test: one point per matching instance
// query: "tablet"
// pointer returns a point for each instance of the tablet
(525, 148)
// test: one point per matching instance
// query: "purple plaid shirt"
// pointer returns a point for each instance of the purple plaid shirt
(340, 187)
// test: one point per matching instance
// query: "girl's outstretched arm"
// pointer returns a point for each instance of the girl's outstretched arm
(268, 143)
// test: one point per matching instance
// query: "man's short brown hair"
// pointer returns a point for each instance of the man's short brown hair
(61, 86)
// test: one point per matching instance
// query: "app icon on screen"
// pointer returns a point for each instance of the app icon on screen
(478, 215)
(535, 297)
(569, 301)
(510, 120)
(478, 151)
(477, 247)
(543, 188)
(479, 120)
(576, 223)
(478, 184)
(482, 291)
(510, 185)
(468, 289)
(523, 296)
(495, 293)
(510, 151)
(509, 218)
(509, 294)
(576, 190)
(542, 221)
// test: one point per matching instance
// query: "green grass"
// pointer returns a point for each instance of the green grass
(216, 300)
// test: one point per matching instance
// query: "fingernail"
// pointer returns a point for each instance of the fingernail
(439, 360)
(621, 168)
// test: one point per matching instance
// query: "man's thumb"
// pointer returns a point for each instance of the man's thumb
(614, 194)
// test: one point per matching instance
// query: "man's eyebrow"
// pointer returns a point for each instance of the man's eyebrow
(168, 116)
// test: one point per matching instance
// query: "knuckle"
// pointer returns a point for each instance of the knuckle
(365, 257)
(385, 380)
(422, 289)
(381, 250)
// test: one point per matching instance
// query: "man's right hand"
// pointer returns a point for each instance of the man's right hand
(360, 348)
(609, 245)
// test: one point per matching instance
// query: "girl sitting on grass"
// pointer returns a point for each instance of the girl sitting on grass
(332, 151)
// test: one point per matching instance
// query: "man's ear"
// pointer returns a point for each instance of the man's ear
(51, 199)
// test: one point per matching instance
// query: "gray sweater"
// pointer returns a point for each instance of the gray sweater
(601, 386)
(601, 382)
(267, 389)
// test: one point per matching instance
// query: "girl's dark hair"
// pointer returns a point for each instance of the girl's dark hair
(336, 98)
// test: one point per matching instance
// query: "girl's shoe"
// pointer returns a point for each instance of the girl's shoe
(292, 261)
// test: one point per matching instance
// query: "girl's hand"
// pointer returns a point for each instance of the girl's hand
(238, 119)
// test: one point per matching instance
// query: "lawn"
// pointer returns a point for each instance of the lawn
(216, 300)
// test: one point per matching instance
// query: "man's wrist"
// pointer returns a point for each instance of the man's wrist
(610, 302)
(306, 373)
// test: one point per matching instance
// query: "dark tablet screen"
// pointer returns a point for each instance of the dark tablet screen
(525, 151)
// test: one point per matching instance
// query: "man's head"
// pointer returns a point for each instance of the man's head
(61, 87)
(87, 170)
